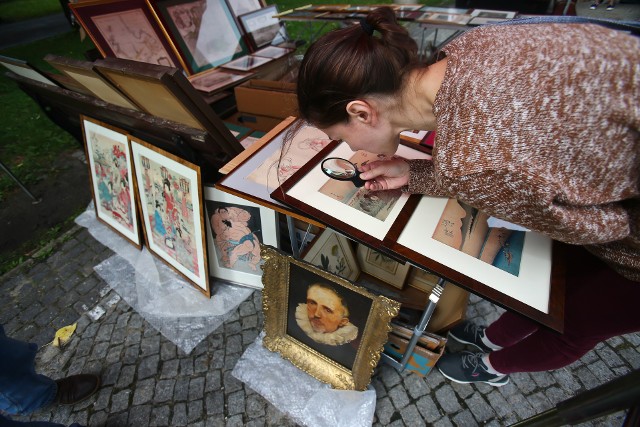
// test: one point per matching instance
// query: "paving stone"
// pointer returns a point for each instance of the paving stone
(465, 418)
(179, 417)
(144, 391)
(181, 389)
(194, 411)
(164, 390)
(411, 416)
(148, 367)
(214, 403)
(480, 409)
(399, 397)
(255, 407)
(126, 377)
(447, 399)
(416, 386)
(120, 401)
(160, 415)
(196, 388)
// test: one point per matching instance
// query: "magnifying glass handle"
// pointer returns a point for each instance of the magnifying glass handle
(357, 181)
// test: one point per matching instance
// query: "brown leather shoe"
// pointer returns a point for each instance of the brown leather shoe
(76, 388)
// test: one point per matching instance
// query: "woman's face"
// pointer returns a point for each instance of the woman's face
(381, 139)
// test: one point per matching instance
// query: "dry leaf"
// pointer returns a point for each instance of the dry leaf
(63, 335)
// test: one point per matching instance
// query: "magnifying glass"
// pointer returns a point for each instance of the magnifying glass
(342, 170)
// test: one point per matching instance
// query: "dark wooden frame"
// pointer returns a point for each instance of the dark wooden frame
(251, 40)
(131, 76)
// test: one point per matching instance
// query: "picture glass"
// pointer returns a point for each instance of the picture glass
(263, 27)
(246, 63)
(171, 209)
(25, 70)
(111, 171)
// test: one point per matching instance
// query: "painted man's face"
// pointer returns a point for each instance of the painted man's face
(325, 310)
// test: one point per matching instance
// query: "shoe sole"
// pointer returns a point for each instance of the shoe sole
(494, 384)
(468, 342)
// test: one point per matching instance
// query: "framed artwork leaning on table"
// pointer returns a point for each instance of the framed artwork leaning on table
(235, 230)
(111, 175)
(322, 323)
(333, 252)
(169, 194)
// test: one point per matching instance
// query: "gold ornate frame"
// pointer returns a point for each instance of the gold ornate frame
(275, 296)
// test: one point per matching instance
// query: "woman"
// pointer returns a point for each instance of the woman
(536, 124)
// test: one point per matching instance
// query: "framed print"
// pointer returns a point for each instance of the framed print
(479, 20)
(515, 268)
(271, 164)
(217, 80)
(333, 252)
(125, 29)
(493, 14)
(432, 9)
(262, 27)
(204, 32)
(166, 93)
(246, 63)
(382, 267)
(111, 175)
(300, 15)
(366, 216)
(24, 69)
(84, 73)
(322, 323)
(444, 18)
(272, 52)
(235, 230)
(242, 7)
(168, 190)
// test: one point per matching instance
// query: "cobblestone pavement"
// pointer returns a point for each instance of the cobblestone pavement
(148, 381)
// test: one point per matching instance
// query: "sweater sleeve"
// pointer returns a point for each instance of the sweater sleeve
(422, 179)
(534, 203)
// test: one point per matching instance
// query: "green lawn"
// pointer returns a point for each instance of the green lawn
(19, 10)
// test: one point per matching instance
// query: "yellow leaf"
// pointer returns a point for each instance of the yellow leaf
(63, 335)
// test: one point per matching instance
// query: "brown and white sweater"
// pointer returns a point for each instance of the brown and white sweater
(539, 125)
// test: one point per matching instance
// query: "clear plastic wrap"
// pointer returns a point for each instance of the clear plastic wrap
(160, 295)
(303, 398)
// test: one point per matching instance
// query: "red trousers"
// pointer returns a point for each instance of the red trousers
(599, 304)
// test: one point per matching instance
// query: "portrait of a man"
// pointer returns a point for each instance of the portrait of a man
(324, 317)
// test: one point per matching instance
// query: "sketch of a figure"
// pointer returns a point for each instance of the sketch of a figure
(236, 237)
(465, 228)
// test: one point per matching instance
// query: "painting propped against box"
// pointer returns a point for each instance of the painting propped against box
(168, 190)
(341, 348)
(111, 174)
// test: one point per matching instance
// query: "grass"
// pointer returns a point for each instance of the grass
(19, 10)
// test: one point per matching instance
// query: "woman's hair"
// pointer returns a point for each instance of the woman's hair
(349, 63)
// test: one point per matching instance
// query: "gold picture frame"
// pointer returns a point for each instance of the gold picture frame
(344, 357)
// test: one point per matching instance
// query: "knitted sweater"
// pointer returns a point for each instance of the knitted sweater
(539, 125)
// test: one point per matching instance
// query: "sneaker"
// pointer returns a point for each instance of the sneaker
(467, 368)
(593, 6)
(470, 333)
(610, 7)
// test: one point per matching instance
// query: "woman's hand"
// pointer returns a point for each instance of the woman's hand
(385, 174)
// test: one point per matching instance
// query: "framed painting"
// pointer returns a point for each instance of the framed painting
(165, 92)
(24, 69)
(273, 162)
(493, 14)
(333, 252)
(111, 175)
(322, 323)
(444, 18)
(246, 63)
(242, 7)
(168, 191)
(204, 32)
(363, 215)
(84, 74)
(382, 267)
(272, 52)
(235, 230)
(125, 29)
(262, 27)
(217, 80)
(510, 267)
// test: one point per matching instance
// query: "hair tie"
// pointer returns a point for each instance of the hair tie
(366, 27)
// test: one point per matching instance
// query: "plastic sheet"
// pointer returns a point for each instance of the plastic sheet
(160, 295)
(303, 398)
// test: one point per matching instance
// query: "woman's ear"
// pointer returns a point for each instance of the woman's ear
(360, 111)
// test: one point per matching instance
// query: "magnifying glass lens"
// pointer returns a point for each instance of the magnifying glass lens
(339, 168)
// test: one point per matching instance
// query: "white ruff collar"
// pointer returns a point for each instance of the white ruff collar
(342, 335)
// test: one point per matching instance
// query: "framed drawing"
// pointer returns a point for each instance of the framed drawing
(24, 69)
(272, 52)
(168, 190)
(366, 216)
(111, 175)
(235, 230)
(271, 164)
(333, 252)
(262, 27)
(246, 63)
(444, 18)
(84, 73)
(166, 93)
(125, 29)
(493, 14)
(454, 241)
(382, 267)
(322, 323)
(204, 32)
(242, 7)
(217, 80)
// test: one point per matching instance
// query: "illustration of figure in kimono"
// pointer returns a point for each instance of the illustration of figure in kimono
(233, 237)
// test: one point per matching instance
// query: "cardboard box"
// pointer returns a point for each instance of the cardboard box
(253, 121)
(421, 361)
(267, 98)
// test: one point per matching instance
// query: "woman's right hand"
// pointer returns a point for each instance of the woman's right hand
(385, 174)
